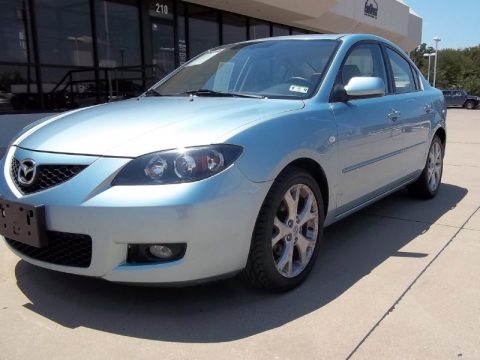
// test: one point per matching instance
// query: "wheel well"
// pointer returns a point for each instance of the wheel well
(318, 174)
(442, 135)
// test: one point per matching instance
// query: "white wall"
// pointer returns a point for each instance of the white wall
(395, 20)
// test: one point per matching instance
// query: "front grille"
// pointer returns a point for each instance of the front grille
(47, 176)
(62, 249)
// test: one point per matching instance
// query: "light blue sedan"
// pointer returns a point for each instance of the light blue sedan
(234, 163)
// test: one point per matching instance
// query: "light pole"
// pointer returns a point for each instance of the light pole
(429, 55)
(437, 40)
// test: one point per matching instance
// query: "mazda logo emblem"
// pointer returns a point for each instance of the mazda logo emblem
(27, 172)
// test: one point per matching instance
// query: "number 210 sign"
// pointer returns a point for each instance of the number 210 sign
(161, 8)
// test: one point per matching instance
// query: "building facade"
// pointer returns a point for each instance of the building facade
(57, 55)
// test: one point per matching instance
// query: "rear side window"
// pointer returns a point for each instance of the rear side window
(402, 73)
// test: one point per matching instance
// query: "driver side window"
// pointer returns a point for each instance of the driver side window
(365, 60)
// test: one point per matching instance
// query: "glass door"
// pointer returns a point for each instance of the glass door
(163, 40)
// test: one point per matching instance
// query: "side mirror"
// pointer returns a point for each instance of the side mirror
(365, 87)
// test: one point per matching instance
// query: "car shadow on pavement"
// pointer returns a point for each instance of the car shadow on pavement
(229, 310)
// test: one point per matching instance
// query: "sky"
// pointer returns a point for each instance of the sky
(456, 22)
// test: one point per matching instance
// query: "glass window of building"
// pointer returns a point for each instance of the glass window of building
(203, 29)
(259, 29)
(68, 88)
(14, 38)
(64, 32)
(118, 32)
(163, 43)
(181, 34)
(18, 88)
(296, 31)
(234, 28)
(280, 30)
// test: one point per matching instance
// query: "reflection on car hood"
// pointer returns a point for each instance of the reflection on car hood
(135, 127)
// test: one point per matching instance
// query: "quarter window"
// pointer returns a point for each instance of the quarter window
(402, 73)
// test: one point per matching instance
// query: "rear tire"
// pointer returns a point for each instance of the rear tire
(470, 105)
(287, 233)
(427, 185)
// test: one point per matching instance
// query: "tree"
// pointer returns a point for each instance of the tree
(456, 68)
(420, 60)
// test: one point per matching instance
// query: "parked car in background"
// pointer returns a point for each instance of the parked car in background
(234, 163)
(460, 98)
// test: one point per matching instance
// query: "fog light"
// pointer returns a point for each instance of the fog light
(155, 253)
(161, 251)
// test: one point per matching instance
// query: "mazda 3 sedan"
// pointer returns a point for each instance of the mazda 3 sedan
(234, 163)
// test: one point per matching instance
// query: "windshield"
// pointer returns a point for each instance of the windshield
(272, 68)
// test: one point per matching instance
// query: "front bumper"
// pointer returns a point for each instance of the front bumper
(214, 217)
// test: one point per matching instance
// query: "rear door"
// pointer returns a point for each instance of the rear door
(415, 112)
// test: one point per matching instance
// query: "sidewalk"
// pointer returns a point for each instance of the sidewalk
(437, 317)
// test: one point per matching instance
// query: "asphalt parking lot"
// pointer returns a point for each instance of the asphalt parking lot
(400, 280)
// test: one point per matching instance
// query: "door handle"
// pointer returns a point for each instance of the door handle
(394, 115)
(428, 108)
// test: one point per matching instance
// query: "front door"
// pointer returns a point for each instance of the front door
(369, 137)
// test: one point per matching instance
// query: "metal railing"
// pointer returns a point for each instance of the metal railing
(113, 83)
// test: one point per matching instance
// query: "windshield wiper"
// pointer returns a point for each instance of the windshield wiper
(207, 92)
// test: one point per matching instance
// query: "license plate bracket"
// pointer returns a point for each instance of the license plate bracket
(23, 223)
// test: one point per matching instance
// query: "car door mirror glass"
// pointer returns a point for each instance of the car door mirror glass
(364, 87)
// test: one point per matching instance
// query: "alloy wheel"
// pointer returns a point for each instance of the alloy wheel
(295, 230)
(435, 163)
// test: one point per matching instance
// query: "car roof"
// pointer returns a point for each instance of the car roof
(348, 39)
(325, 37)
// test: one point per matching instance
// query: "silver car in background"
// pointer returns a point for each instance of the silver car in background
(234, 163)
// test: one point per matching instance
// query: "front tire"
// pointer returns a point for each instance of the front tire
(287, 233)
(427, 185)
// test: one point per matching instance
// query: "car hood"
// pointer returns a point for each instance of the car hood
(139, 126)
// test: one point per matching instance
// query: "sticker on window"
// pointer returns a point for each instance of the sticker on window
(202, 58)
(299, 89)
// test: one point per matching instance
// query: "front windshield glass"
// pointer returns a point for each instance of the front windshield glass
(271, 68)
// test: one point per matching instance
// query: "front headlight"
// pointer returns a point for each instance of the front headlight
(178, 166)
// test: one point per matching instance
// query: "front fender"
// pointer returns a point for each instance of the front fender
(271, 145)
